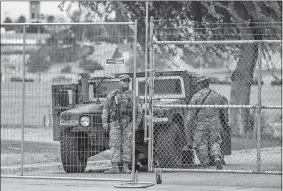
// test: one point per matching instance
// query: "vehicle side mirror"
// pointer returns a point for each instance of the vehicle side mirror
(63, 98)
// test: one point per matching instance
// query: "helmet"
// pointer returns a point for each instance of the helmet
(124, 76)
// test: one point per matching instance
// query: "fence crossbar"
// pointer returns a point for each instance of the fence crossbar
(217, 106)
(220, 171)
(219, 42)
(86, 23)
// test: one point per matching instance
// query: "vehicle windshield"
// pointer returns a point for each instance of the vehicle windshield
(102, 89)
(163, 87)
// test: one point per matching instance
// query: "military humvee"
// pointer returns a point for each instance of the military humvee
(77, 108)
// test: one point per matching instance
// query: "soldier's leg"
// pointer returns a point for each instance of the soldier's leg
(115, 147)
(201, 146)
(127, 138)
(188, 133)
(215, 152)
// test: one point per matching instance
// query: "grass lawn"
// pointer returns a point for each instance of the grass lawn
(34, 152)
(266, 141)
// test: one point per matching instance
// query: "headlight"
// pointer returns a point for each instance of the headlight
(85, 121)
(66, 115)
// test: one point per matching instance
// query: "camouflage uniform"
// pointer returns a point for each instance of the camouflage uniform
(206, 125)
(121, 129)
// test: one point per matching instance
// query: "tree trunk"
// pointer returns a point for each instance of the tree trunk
(242, 78)
(240, 88)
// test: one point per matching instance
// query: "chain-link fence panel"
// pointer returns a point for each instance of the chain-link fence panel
(51, 123)
(215, 102)
(11, 103)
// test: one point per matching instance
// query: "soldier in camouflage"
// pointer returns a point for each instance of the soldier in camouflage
(117, 113)
(205, 125)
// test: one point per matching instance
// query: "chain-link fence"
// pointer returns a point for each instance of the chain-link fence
(44, 89)
(50, 109)
(237, 119)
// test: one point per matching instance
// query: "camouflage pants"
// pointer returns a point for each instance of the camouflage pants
(207, 142)
(120, 143)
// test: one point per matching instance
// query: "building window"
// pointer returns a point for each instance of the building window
(32, 15)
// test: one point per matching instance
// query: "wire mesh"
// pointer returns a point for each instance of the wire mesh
(245, 73)
(55, 56)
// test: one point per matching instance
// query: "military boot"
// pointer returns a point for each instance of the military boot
(223, 161)
(125, 168)
(114, 170)
(218, 162)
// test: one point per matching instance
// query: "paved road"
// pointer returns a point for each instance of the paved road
(183, 181)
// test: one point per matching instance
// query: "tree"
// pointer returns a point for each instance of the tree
(244, 20)
(21, 19)
(38, 62)
(35, 28)
(50, 19)
(7, 27)
(8, 20)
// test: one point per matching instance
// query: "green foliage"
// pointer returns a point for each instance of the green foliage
(98, 33)
(60, 55)
(38, 63)
(67, 54)
(67, 69)
(198, 20)
(201, 12)
(21, 19)
(50, 19)
(61, 79)
(90, 65)
(8, 20)
(35, 28)
(59, 48)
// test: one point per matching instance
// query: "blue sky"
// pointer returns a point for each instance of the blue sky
(14, 9)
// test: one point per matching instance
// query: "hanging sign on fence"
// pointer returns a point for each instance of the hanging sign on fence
(115, 61)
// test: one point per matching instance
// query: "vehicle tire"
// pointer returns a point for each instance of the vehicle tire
(168, 146)
(72, 152)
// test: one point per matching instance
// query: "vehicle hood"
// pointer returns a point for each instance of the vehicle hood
(168, 102)
(87, 108)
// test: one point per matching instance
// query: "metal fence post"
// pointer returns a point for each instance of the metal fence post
(150, 131)
(152, 96)
(134, 104)
(146, 76)
(259, 107)
(23, 100)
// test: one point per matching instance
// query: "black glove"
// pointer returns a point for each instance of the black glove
(190, 146)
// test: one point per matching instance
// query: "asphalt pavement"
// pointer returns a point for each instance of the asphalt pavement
(198, 181)
(171, 181)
